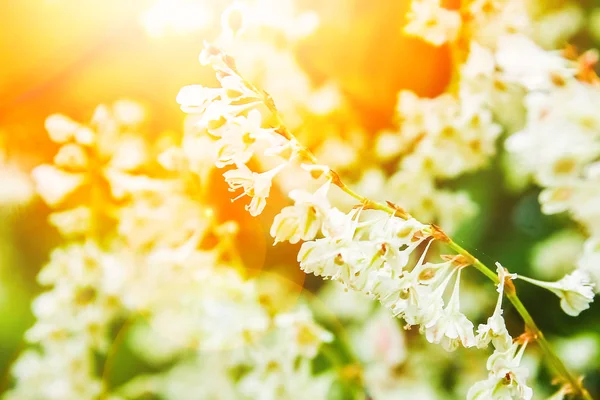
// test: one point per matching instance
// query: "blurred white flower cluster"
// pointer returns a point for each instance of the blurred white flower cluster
(146, 256)
(16, 188)
(560, 142)
(441, 138)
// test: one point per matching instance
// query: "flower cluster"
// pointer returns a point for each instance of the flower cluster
(559, 146)
(437, 140)
(507, 379)
(105, 154)
(257, 31)
(141, 259)
(365, 249)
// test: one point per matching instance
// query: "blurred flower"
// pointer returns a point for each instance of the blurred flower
(537, 70)
(16, 187)
(54, 185)
(556, 255)
(346, 305)
(590, 260)
(380, 341)
(580, 352)
(429, 21)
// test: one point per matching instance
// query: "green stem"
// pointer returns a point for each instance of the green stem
(532, 327)
(553, 359)
(575, 385)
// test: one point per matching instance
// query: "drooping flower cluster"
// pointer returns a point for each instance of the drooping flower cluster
(429, 20)
(507, 378)
(365, 249)
(562, 127)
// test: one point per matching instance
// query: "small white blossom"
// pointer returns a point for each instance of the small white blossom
(435, 24)
(306, 336)
(129, 112)
(523, 62)
(304, 219)
(235, 145)
(574, 290)
(506, 379)
(195, 98)
(54, 184)
(495, 329)
(16, 186)
(60, 128)
(453, 327)
(256, 186)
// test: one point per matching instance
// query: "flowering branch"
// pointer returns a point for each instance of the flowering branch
(369, 256)
(531, 327)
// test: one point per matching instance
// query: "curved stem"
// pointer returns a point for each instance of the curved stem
(575, 384)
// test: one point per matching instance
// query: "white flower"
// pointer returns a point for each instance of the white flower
(495, 329)
(195, 98)
(256, 186)
(71, 156)
(398, 291)
(303, 220)
(130, 153)
(128, 112)
(574, 290)
(327, 257)
(523, 62)
(380, 340)
(306, 336)
(72, 222)
(238, 137)
(435, 24)
(480, 63)
(54, 184)
(16, 187)
(234, 20)
(506, 379)
(60, 128)
(453, 327)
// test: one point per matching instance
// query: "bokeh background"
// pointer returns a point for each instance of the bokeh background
(68, 56)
